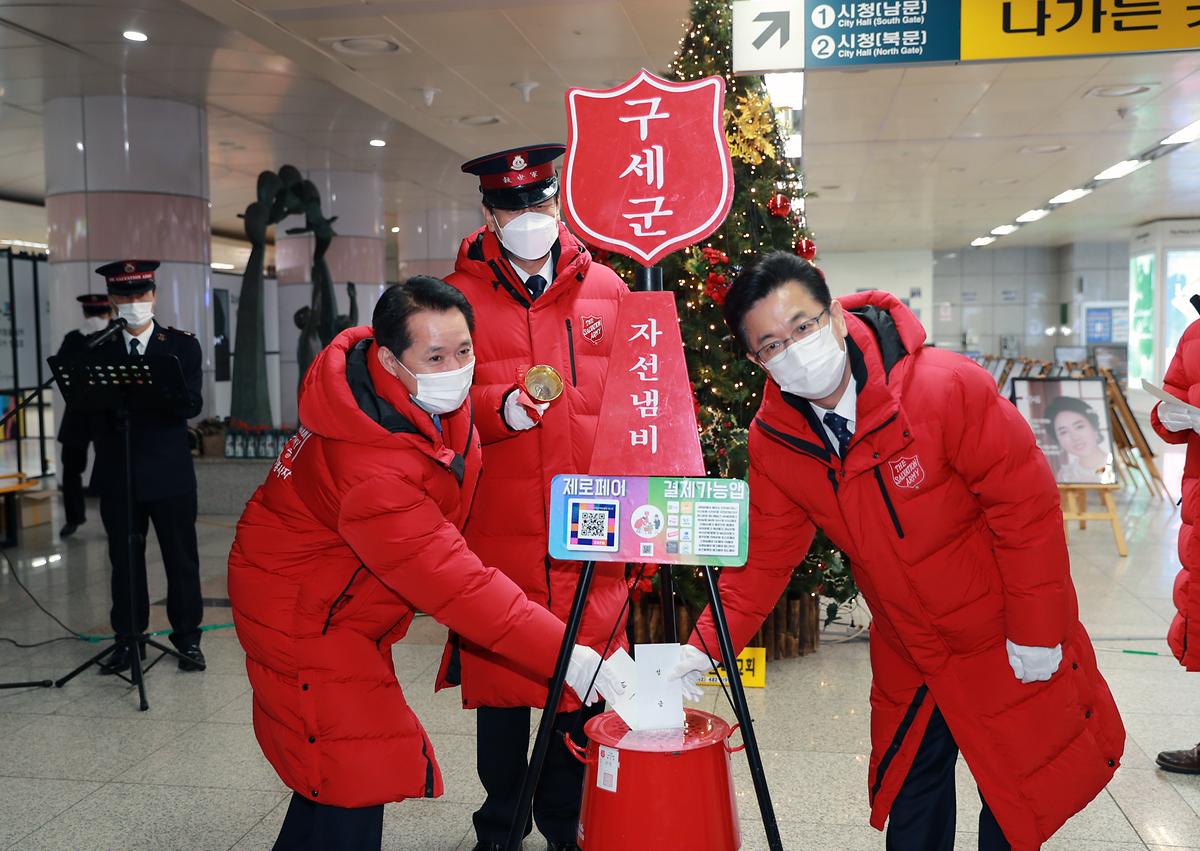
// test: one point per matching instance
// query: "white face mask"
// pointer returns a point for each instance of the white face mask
(811, 368)
(94, 324)
(442, 392)
(136, 313)
(530, 236)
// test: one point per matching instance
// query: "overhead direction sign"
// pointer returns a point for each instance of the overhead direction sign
(1034, 28)
(886, 32)
(768, 35)
(900, 31)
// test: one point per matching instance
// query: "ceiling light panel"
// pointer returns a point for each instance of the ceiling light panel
(1069, 196)
(1121, 169)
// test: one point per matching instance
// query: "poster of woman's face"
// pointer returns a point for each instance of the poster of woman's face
(1069, 418)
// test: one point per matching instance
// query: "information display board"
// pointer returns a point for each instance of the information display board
(666, 520)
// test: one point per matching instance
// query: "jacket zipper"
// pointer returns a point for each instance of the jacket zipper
(428, 769)
(897, 740)
(340, 597)
(571, 348)
(549, 595)
(887, 500)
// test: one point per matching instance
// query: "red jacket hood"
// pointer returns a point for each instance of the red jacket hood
(481, 256)
(328, 406)
(912, 332)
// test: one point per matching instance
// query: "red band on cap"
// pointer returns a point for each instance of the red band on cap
(131, 276)
(511, 179)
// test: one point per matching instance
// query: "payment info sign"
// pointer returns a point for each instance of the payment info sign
(665, 520)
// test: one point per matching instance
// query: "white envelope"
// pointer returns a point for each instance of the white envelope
(651, 701)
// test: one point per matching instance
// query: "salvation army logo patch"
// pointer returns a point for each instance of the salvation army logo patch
(907, 472)
(593, 329)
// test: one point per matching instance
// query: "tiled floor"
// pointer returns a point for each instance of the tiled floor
(81, 768)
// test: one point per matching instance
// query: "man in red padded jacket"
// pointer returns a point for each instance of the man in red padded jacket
(356, 527)
(934, 488)
(546, 302)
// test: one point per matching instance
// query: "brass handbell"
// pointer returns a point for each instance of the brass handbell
(543, 383)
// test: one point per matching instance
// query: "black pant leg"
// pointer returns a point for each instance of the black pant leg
(126, 622)
(175, 525)
(74, 462)
(501, 758)
(991, 837)
(310, 826)
(923, 814)
(560, 790)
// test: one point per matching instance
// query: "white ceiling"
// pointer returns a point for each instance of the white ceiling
(898, 158)
(931, 157)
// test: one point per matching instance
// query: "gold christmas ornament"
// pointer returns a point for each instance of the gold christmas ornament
(751, 129)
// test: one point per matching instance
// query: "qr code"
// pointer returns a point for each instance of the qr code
(647, 548)
(593, 524)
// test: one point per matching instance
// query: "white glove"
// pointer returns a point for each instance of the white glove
(1033, 664)
(1177, 417)
(581, 668)
(516, 416)
(693, 664)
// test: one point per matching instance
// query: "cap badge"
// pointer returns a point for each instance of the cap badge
(129, 268)
(518, 163)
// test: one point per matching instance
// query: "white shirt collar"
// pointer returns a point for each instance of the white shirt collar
(547, 271)
(142, 338)
(846, 407)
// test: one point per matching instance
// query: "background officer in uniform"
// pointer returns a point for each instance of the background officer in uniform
(73, 431)
(164, 480)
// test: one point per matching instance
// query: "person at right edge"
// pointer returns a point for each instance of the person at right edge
(1179, 424)
(934, 488)
(542, 299)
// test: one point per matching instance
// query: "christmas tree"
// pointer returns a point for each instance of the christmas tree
(767, 215)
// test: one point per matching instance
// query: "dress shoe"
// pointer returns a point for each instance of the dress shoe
(118, 661)
(193, 659)
(68, 530)
(562, 846)
(1180, 762)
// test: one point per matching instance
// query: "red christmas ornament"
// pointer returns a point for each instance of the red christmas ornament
(715, 257)
(716, 287)
(779, 205)
(806, 248)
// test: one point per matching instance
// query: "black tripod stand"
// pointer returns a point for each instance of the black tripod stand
(152, 383)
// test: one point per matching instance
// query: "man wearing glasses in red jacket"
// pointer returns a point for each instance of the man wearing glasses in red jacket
(934, 488)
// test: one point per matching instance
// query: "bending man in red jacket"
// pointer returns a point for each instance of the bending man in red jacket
(356, 527)
(934, 488)
(1178, 424)
(546, 302)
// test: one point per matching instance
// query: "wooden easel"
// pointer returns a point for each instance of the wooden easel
(1135, 436)
(1075, 509)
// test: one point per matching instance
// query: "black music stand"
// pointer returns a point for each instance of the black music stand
(152, 383)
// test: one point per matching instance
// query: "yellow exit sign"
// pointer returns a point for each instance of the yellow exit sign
(752, 665)
(1015, 29)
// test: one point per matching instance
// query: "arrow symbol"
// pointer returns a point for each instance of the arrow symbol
(777, 22)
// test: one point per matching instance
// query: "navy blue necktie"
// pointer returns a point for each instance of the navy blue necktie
(536, 285)
(134, 345)
(840, 426)
(437, 422)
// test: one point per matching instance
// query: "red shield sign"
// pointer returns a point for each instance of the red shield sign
(647, 169)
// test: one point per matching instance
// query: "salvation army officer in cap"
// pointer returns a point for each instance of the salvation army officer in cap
(164, 479)
(541, 300)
